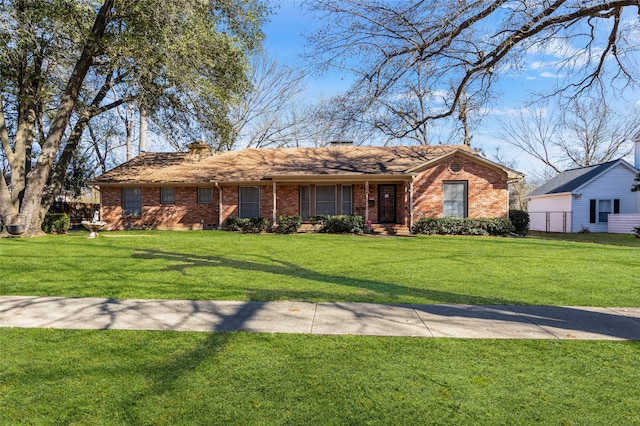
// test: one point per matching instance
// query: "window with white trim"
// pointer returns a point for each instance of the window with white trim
(454, 199)
(599, 210)
(249, 202)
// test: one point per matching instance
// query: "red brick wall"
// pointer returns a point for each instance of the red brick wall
(266, 201)
(288, 201)
(186, 213)
(487, 189)
(230, 197)
(487, 197)
(359, 199)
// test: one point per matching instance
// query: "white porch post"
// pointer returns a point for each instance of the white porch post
(411, 204)
(274, 203)
(366, 201)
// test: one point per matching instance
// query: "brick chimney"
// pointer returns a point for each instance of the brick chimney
(199, 150)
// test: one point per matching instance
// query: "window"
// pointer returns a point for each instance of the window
(305, 202)
(326, 200)
(604, 208)
(347, 200)
(599, 210)
(132, 202)
(454, 199)
(167, 195)
(205, 195)
(249, 202)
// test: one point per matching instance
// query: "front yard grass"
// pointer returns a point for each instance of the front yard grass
(227, 266)
(53, 377)
(115, 377)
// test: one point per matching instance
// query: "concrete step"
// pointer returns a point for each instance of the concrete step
(389, 229)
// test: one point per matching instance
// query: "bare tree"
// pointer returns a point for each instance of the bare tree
(463, 47)
(532, 131)
(264, 116)
(588, 133)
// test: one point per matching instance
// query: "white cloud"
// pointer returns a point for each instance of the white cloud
(547, 74)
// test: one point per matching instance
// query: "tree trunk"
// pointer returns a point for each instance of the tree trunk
(31, 215)
(143, 131)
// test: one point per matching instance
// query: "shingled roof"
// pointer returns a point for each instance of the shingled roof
(252, 165)
(571, 180)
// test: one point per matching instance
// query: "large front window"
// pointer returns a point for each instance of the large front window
(329, 200)
(454, 199)
(249, 202)
(132, 202)
(325, 200)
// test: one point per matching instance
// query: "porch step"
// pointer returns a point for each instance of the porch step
(389, 229)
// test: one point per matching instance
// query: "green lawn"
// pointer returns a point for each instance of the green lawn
(54, 377)
(227, 266)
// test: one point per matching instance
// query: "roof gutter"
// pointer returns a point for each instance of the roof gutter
(341, 178)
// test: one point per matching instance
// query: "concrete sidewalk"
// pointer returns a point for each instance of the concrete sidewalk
(456, 321)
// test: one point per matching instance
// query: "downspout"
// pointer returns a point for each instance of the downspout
(219, 205)
(274, 204)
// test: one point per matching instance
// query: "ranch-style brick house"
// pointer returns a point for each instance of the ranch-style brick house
(393, 186)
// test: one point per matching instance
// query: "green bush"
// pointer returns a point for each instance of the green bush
(237, 224)
(56, 223)
(288, 224)
(462, 226)
(343, 224)
(254, 225)
(520, 221)
(319, 219)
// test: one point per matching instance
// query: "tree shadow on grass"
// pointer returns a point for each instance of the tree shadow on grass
(374, 290)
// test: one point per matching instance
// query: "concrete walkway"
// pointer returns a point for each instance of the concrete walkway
(456, 321)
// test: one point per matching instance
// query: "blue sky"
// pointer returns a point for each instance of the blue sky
(285, 41)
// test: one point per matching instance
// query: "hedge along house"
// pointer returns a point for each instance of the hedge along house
(392, 186)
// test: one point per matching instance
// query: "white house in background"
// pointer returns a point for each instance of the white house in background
(582, 199)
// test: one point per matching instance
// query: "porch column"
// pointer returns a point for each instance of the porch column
(274, 203)
(411, 204)
(366, 201)
(219, 205)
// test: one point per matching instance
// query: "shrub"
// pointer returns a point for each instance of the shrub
(254, 225)
(520, 221)
(237, 224)
(257, 225)
(56, 223)
(343, 224)
(288, 224)
(319, 219)
(462, 226)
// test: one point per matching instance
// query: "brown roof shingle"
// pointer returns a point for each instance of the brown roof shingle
(250, 165)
